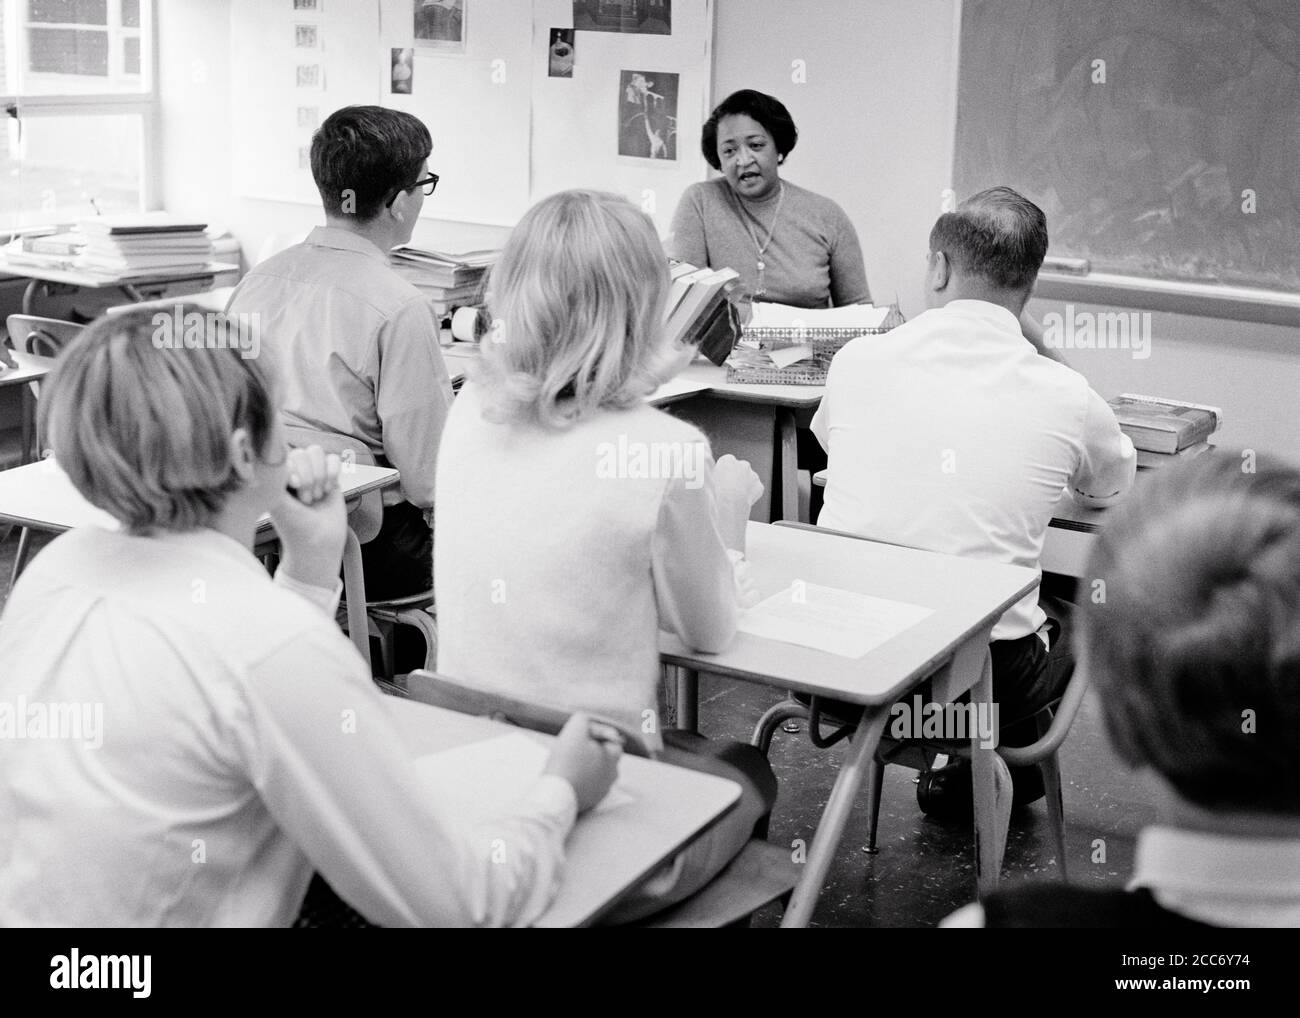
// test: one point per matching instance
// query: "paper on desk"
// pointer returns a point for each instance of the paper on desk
(482, 780)
(837, 621)
(790, 355)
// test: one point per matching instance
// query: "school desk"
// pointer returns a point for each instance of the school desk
(66, 280)
(751, 422)
(39, 496)
(31, 368)
(950, 647)
(609, 852)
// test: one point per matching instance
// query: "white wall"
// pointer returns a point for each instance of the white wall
(876, 119)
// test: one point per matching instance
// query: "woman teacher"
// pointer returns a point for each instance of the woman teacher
(789, 245)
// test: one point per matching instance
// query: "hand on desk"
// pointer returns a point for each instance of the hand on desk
(311, 520)
(590, 766)
(736, 488)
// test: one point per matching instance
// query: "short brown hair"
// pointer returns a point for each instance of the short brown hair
(1191, 631)
(144, 432)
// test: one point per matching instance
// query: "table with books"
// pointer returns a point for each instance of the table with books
(140, 255)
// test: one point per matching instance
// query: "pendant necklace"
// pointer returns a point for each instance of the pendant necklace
(759, 263)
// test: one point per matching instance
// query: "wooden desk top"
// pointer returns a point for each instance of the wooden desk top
(31, 368)
(699, 378)
(966, 595)
(40, 496)
(95, 280)
(608, 852)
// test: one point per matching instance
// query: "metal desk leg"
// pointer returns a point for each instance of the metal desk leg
(866, 740)
(688, 699)
(787, 450)
(992, 793)
(354, 589)
(29, 295)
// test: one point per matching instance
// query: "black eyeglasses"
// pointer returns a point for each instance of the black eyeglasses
(429, 183)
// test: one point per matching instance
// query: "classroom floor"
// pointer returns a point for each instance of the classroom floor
(925, 869)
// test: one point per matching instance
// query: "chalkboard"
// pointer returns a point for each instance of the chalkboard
(1161, 138)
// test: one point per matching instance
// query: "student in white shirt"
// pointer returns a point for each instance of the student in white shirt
(574, 520)
(230, 739)
(951, 433)
(1194, 653)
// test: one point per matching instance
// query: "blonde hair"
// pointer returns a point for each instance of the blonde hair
(577, 303)
(143, 430)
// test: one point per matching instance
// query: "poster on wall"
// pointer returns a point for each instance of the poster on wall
(401, 76)
(440, 25)
(647, 115)
(560, 53)
(632, 17)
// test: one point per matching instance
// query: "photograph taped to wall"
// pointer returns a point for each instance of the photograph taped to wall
(560, 53)
(440, 24)
(647, 115)
(310, 76)
(306, 36)
(309, 117)
(633, 17)
(402, 77)
(306, 5)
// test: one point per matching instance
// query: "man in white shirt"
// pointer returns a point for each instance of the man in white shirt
(357, 344)
(951, 433)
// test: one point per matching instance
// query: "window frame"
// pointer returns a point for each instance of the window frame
(144, 103)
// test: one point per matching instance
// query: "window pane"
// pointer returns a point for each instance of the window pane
(6, 81)
(68, 51)
(131, 54)
(68, 12)
(130, 13)
(68, 166)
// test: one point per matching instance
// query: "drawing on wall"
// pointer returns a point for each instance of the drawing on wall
(306, 5)
(310, 76)
(309, 117)
(440, 24)
(402, 76)
(639, 17)
(560, 53)
(306, 36)
(647, 115)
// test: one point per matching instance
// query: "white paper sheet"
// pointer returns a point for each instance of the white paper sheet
(836, 621)
(848, 316)
(482, 780)
(790, 355)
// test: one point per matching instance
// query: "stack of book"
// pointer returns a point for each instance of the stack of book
(1165, 430)
(143, 245)
(785, 345)
(698, 313)
(448, 280)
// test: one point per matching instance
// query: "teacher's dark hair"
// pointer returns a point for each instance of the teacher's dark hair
(363, 155)
(767, 110)
(998, 235)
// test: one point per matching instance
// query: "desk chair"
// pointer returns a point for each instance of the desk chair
(759, 874)
(41, 337)
(365, 521)
(1053, 724)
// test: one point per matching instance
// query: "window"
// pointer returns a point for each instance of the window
(78, 105)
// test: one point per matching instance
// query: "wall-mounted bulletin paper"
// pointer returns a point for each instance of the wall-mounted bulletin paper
(297, 61)
(629, 118)
(470, 72)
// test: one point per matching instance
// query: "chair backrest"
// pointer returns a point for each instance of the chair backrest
(42, 337)
(368, 516)
(451, 694)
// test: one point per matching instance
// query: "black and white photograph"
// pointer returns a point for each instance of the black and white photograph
(647, 115)
(402, 76)
(440, 24)
(630, 17)
(730, 464)
(560, 53)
